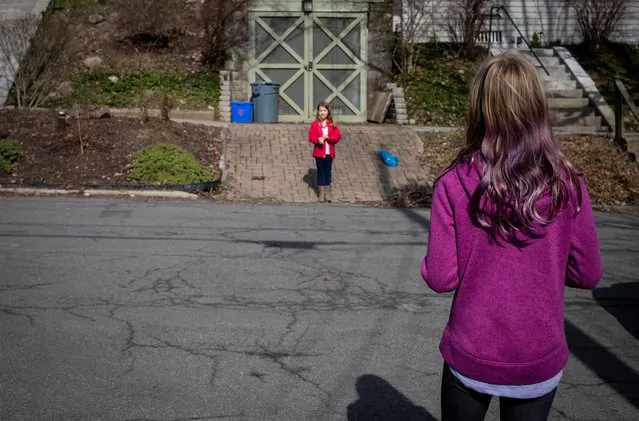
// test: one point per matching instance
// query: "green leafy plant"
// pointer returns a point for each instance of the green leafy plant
(535, 42)
(191, 91)
(9, 154)
(168, 164)
(437, 93)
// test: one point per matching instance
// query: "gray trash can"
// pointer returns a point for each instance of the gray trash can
(265, 97)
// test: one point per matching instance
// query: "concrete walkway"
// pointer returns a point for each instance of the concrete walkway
(11, 9)
(274, 162)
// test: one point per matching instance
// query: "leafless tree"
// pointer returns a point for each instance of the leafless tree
(598, 19)
(225, 26)
(31, 49)
(417, 24)
(465, 20)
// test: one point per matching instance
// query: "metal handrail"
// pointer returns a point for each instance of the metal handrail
(490, 28)
(621, 95)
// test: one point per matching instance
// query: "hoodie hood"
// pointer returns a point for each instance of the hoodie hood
(469, 175)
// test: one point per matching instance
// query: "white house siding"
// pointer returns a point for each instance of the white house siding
(555, 18)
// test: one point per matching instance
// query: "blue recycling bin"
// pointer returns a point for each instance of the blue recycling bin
(241, 112)
(265, 97)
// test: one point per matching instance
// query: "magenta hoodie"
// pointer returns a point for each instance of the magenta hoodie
(506, 323)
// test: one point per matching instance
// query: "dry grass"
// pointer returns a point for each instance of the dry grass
(611, 176)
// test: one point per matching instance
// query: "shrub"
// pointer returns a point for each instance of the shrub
(9, 154)
(598, 19)
(535, 42)
(464, 21)
(168, 164)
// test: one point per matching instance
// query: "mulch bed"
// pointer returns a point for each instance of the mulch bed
(611, 176)
(108, 147)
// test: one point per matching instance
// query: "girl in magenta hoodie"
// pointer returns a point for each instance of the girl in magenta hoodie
(511, 224)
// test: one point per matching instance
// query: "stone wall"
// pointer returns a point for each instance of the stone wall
(380, 47)
(237, 69)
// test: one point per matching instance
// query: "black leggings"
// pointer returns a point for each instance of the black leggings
(460, 403)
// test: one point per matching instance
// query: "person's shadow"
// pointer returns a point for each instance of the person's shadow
(621, 301)
(311, 179)
(378, 400)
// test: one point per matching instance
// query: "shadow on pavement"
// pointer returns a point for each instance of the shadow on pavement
(311, 180)
(614, 372)
(378, 400)
(415, 214)
(621, 301)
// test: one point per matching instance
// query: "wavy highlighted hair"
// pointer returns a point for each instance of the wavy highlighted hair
(510, 135)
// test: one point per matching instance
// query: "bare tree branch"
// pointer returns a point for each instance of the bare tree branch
(224, 23)
(32, 51)
(465, 19)
(598, 19)
(417, 22)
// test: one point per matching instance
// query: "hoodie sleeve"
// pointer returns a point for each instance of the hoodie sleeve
(584, 269)
(439, 267)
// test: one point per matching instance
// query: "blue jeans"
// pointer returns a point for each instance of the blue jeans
(461, 403)
(324, 168)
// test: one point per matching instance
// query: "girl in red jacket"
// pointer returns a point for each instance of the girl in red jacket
(324, 135)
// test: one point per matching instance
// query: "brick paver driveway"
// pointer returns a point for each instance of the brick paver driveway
(273, 161)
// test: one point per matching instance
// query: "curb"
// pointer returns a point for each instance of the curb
(167, 194)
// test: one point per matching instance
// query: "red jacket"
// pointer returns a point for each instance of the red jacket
(315, 132)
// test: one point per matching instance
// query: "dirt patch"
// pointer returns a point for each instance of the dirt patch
(180, 52)
(108, 147)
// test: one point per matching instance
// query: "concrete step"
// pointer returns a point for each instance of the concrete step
(563, 76)
(569, 103)
(553, 70)
(632, 139)
(561, 85)
(577, 118)
(565, 93)
(547, 61)
(399, 102)
(576, 129)
(541, 52)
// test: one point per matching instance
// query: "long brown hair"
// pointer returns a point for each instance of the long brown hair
(326, 105)
(510, 135)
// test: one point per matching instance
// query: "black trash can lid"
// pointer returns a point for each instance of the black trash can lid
(265, 84)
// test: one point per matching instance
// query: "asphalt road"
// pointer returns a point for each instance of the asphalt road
(132, 310)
